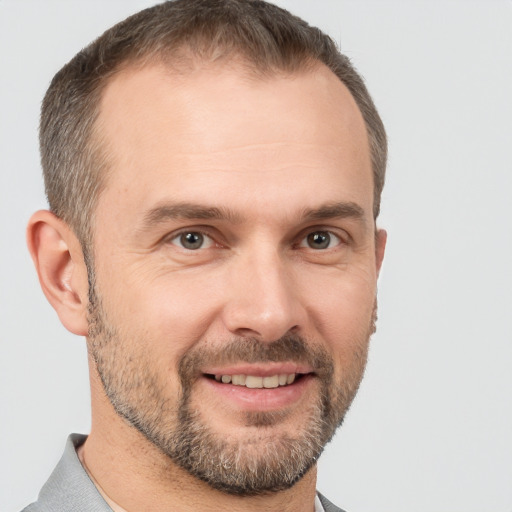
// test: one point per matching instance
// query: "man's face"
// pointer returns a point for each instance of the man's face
(235, 261)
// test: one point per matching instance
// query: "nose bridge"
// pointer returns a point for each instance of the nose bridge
(264, 301)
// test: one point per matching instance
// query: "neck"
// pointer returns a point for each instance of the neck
(136, 475)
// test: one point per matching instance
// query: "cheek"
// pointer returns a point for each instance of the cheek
(171, 312)
(342, 312)
(348, 290)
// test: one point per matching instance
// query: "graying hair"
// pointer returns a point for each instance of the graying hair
(267, 38)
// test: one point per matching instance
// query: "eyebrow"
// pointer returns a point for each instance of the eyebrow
(190, 211)
(341, 210)
(171, 211)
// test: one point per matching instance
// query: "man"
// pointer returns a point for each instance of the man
(214, 171)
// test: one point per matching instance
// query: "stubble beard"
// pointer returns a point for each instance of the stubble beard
(256, 464)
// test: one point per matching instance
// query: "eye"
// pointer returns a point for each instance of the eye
(192, 240)
(320, 240)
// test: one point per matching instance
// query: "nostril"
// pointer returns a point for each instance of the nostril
(245, 332)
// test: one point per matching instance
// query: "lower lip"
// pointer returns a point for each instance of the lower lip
(261, 399)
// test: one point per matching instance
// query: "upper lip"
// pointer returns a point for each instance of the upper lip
(259, 369)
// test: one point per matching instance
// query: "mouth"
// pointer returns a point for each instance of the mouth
(258, 381)
(258, 388)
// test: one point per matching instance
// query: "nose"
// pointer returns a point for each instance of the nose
(264, 299)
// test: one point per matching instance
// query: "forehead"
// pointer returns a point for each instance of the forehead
(217, 129)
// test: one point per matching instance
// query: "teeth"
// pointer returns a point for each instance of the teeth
(271, 382)
(238, 380)
(283, 379)
(255, 382)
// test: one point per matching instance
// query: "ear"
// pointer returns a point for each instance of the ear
(59, 261)
(381, 238)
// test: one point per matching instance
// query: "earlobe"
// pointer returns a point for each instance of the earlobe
(380, 247)
(60, 266)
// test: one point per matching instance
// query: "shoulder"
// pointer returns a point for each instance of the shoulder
(69, 488)
(32, 508)
(328, 506)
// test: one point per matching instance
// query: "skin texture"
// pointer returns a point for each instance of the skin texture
(257, 166)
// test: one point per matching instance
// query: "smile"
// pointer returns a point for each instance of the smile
(263, 388)
(258, 382)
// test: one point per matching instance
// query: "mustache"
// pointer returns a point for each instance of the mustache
(252, 350)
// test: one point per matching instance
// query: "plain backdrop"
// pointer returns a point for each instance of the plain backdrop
(431, 429)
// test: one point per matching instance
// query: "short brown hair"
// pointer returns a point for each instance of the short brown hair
(267, 37)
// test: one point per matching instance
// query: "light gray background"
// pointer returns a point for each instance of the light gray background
(431, 428)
